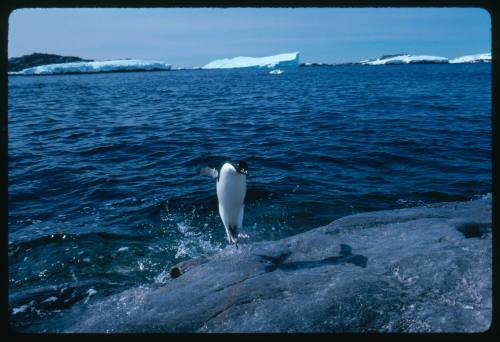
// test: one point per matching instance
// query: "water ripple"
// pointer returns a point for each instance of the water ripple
(104, 192)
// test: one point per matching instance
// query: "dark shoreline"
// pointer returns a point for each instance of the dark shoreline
(181, 69)
(91, 73)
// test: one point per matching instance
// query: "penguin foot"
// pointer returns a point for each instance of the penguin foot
(243, 236)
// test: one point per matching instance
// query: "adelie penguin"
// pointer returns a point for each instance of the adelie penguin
(231, 190)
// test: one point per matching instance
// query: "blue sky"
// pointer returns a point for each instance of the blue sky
(187, 37)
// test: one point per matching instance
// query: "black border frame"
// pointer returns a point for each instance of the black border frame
(8, 6)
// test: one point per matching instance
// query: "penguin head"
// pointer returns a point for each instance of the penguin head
(241, 167)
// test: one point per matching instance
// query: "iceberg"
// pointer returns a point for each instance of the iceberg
(478, 58)
(276, 72)
(405, 59)
(281, 60)
(94, 67)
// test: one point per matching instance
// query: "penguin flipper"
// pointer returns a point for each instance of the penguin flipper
(209, 172)
(240, 216)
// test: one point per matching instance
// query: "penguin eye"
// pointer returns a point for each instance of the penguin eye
(243, 165)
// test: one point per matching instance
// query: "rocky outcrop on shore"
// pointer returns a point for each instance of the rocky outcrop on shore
(36, 59)
(424, 269)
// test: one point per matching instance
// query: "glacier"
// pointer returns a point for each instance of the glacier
(94, 67)
(405, 59)
(477, 58)
(281, 60)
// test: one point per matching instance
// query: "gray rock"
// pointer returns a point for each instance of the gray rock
(426, 269)
(36, 59)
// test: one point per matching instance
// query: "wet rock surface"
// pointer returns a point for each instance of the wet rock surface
(425, 269)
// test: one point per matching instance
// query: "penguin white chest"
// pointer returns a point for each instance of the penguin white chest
(231, 190)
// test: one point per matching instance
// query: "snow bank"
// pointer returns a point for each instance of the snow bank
(405, 59)
(94, 67)
(478, 58)
(282, 60)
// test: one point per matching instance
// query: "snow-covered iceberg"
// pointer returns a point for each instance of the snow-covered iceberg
(281, 61)
(405, 59)
(478, 58)
(94, 67)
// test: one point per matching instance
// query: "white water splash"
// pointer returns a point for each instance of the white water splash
(50, 299)
(23, 308)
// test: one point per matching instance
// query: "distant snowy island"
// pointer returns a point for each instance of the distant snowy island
(404, 58)
(121, 65)
(36, 59)
(47, 64)
(479, 58)
(421, 59)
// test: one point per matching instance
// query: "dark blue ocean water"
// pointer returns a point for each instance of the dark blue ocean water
(104, 193)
